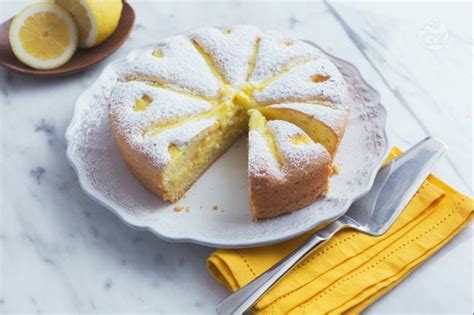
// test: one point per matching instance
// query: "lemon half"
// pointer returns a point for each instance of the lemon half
(95, 19)
(43, 36)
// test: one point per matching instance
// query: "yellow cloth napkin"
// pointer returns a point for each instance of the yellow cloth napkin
(351, 270)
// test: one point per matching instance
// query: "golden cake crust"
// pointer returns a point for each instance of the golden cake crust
(139, 164)
(271, 196)
(289, 177)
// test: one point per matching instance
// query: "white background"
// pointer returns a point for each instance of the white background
(61, 252)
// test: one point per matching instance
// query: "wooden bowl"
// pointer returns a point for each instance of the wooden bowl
(82, 58)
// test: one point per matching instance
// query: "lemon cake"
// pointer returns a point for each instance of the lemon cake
(179, 104)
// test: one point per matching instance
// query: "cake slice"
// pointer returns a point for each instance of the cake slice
(278, 53)
(169, 139)
(229, 50)
(323, 124)
(313, 82)
(174, 63)
(287, 170)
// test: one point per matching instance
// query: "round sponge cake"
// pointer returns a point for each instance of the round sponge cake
(178, 105)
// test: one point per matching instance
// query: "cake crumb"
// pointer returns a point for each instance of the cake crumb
(178, 208)
(187, 209)
(336, 169)
(215, 207)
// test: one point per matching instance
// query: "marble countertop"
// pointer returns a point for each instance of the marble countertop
(62, 252)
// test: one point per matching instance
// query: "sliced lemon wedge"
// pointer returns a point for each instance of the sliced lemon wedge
(43, 36)
(95, 19)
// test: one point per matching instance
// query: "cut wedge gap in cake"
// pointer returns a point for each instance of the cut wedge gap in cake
(188, 163)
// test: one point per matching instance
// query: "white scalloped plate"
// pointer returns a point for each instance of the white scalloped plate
(104, 176)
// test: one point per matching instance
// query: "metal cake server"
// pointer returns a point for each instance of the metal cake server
(394, 186)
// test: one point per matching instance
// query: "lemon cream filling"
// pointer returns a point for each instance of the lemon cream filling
(259, 123)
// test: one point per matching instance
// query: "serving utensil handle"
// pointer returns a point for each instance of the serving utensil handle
(247, 296)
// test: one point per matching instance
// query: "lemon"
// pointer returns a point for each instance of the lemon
(95, 19)
(43, 36)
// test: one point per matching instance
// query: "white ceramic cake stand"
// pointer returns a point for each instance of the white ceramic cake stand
(104, 176)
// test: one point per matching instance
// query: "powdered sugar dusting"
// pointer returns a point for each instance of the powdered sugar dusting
(180, 66)
(295, 155)
(278, 52)
(165, 106)
(334, 118)
(157, 147)
(297, 86)
(261, 159)
(230, 49)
